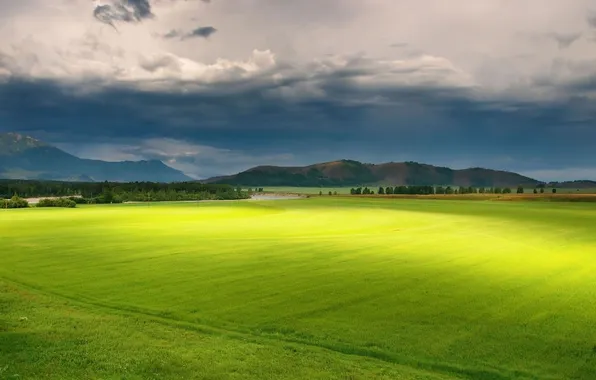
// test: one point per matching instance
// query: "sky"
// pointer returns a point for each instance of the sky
(213, 87)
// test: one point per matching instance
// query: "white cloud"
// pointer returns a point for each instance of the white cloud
(466, 43)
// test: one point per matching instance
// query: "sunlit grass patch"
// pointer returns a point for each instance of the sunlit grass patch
(452, 288)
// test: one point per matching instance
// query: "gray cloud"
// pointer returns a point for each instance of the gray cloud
(203, 32)
(123, 11)
(172, 34)
(565, 40)
(591, 19)
(128, 11)
(200, 32)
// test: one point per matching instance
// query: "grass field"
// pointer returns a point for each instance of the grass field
(320, 288)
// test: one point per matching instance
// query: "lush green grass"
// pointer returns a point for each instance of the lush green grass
(316, 288)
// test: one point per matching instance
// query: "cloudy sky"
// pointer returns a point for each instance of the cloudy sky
(214, 87)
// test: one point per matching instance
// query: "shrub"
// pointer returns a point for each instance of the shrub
(14, 202)
(80, 200)
(58, 202)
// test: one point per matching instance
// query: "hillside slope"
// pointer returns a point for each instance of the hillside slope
(23, 157)
(352, 173)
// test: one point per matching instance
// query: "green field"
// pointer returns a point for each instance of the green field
(320, 288)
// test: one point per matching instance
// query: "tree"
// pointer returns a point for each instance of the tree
(321, 193)
(535, 191)
(330, 193)
(542, 190)
(15, 202)
(389, 190)
(520, 190)
(381, 190)
(554, 190)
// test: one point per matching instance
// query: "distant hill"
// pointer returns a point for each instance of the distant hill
(23, 157)
(353, 173)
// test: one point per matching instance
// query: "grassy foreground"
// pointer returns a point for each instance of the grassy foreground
(322, 288)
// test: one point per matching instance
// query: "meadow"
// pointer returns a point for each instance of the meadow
(318, 288)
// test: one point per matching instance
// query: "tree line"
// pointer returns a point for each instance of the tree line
(429, 190)
(115, 192)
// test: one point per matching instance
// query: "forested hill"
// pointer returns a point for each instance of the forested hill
(354, 173)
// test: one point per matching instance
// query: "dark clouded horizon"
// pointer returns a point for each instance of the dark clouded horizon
(288, 83)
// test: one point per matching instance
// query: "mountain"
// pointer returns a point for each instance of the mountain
(354, 173)
(23, 157)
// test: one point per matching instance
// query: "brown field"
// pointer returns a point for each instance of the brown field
(490, 197)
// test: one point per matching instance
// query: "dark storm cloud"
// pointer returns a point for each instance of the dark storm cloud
(204, 32)
(126, 11)
(201, 32)
(123, 11)
(430, 124)
(345, 117)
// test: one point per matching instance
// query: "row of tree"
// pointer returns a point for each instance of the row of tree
(428, 190)
(113, 192)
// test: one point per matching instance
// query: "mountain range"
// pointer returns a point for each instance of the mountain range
(23, 157)
(354, 173)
